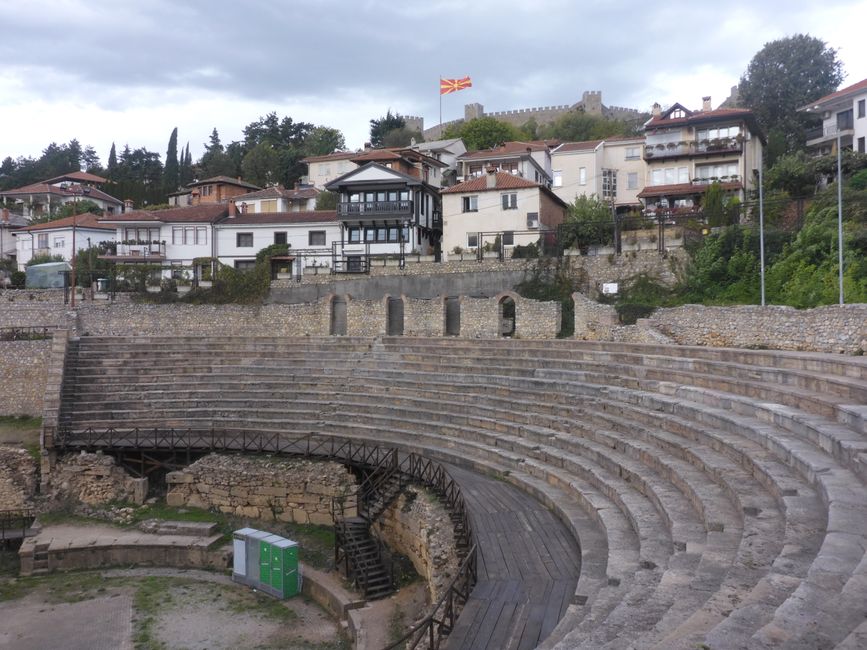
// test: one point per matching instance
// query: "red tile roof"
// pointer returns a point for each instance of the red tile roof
(337, 155)
(84, 177)
(854, 88)
(377, 154)
(277, 218)
(510, 149)
(225, 180)
(279, 192)
(683, 189)
(586, 145)
(505, 181)
(701, 116)
(209, 213)
(45, 188)
(84, 220)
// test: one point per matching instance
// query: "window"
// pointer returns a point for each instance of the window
(42, 241)
(268, 205)
(58, 242)
(201, 235)
(532, 220)
(354, 235)
(142, 234)
(324, 170)
(243, 240)
(370, 234)
(676, 114)
(709, 173)
(280, 238)
(508, 238)
(609, 183)
(682, 175)
(632, 181)
(510, 201)
(861, 107)
(472, 240)
(861, 145)
(633, 153)
(657, 177)
(719, 133)
(558, 178)
(582, 176)
(316, 238)
(207, 190)
(470, 204)
(245, 265)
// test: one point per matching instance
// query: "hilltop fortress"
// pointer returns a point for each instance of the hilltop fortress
(590, 103)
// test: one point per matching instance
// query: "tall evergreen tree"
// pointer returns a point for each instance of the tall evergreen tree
(185, 173)
(215, 161)
(171, 171)
(111, 170)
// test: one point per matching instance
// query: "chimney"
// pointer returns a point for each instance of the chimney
(491, 180)
(705, 103)
(656, 111)
(233, 210)
(5, 215)
(127, 205)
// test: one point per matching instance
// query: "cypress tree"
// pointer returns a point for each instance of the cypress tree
(171, 172)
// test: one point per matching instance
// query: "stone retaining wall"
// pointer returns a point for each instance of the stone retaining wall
(93, 479)
(594, 321)
(266, 488)
(418, 526)
(33, 314)
(823, 329)
(23, 371)
(31, 295)
(18, 478)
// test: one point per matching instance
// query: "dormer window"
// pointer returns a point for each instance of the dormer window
(676, 113)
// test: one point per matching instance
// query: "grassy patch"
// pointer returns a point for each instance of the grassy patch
(20, 430)
(150, 597)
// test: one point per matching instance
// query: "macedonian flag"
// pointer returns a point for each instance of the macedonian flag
(454, 85)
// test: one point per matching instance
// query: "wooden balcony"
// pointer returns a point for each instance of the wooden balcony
(374, 208)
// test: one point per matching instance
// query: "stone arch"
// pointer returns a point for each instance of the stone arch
(338, 319)
(451, 315)
(507, 314)
(394, 312)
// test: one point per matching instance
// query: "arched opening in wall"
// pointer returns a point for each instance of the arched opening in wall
(508, 314)
(338, 316)
(453, 316)
(394, 317)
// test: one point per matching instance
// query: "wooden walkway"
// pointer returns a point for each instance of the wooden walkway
(527, 571)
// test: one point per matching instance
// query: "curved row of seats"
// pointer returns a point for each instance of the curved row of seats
(717, 495)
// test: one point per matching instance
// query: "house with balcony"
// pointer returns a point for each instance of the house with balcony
(61, 237)
(447, 152)
(844, 115)
(612, 170)
(388, 206)
(309, 234)
(687, 150)
(498, 206)
(529, 160)
(278, 199)
(172, 238)
(9, 224)
(46, 197)
(218, 189)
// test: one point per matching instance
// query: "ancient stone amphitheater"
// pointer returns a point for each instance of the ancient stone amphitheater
(621, 495)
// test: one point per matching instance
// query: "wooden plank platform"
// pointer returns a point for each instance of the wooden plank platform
(528, 567)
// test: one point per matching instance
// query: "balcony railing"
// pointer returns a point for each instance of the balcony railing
(692, 148)
(152, 249)
(822, 133)
(373, 208)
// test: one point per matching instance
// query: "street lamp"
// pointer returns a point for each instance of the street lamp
(81, 191)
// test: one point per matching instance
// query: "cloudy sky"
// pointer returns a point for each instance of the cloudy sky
(128, 71)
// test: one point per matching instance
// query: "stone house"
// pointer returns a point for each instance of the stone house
(500, 204)
(218, 189)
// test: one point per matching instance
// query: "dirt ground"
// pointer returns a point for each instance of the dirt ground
(160, 610)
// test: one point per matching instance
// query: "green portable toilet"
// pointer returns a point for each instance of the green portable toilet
(266, 562)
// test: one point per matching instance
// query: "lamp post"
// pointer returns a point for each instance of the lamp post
(840, 214)
(81, 191)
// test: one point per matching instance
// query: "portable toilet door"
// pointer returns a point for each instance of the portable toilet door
(265, 563)
(239, 554)
(290, 581)
(254, 570)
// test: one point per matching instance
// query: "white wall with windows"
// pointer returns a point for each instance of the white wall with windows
(240, 242)
(509, 211)
(29, 244)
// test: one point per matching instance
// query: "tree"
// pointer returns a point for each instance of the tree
(785, 75)
(578, 126)
(261, 166)
(287, 138)
(483, 132)
(402, 137)
(111, 170)
(171, 171)
(323, 140)
(215, 161)
(185, 171)
(382, 126)
(588, 222)
(326, 200)
(714, 205)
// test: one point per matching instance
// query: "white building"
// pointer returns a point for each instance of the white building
(308, 234)
(529, 160)
(500, 204)
(278, 199)
(56, 237)
(843, 112)
(47, 196)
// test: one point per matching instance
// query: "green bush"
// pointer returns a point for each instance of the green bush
(629, 312)
(18, 279)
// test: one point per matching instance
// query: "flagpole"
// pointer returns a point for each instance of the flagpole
(441, 106)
